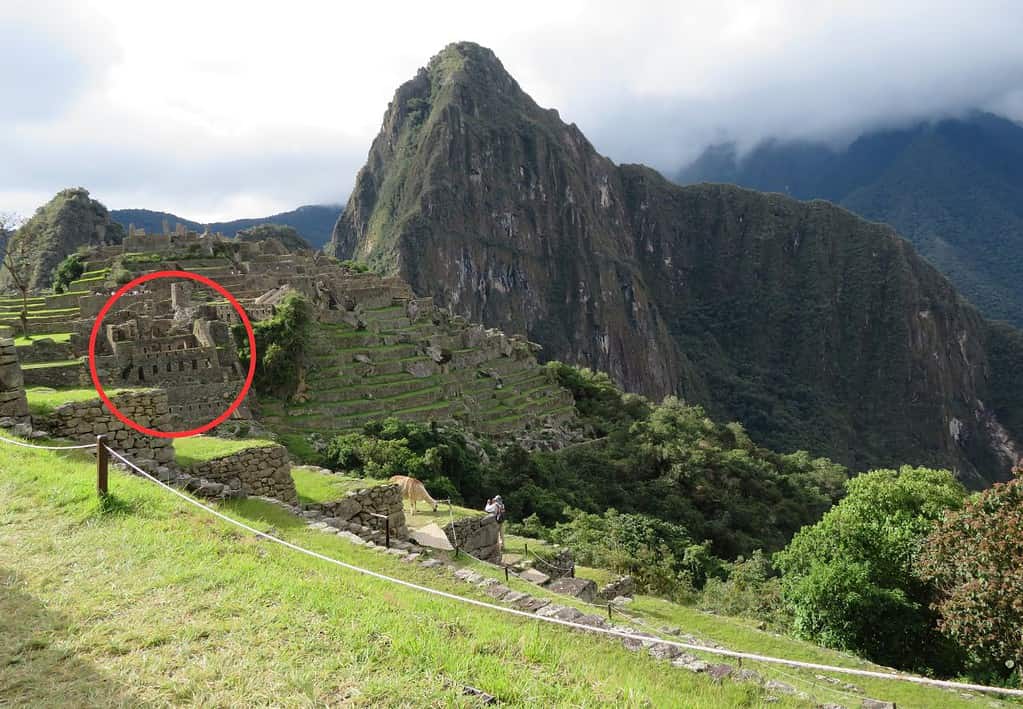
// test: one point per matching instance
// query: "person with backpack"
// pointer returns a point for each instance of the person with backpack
(495, 506)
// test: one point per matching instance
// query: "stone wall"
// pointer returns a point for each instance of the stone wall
(84, 420)
(476, 536)
(12, 385)
(59, 376)
(44, 349)
(358, 506)
(559, 565)
(263, 471)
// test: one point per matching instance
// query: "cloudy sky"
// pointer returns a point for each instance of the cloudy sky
(215, 110)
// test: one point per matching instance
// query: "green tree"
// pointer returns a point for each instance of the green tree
(281, 343)
(68, 270)
(849, 579)
(18, 264)
(974, 558)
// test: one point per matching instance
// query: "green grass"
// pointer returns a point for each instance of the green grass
(314, 486)
(144, 600)
(58, 363)
(196, 449)
(43, 400)
(300, 448)
(57, 337)
(6, 310)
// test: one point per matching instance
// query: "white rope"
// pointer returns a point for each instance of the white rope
(567, 623)
(46, 448)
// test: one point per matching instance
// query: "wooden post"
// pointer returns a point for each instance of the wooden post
(609, 611)
(387, 534)
(506, 572)
(102, 463)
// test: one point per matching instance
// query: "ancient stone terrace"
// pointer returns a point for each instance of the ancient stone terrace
(377, 351)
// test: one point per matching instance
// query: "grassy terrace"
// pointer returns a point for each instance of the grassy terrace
(43, 400)
(58, 363)
(196, 449)
(57, 337)
(315, 486)
(144, 600)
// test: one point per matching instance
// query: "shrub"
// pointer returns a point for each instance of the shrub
(281, 342)
(974, 558)
(849, 580)
(751, 590)
(68, 270)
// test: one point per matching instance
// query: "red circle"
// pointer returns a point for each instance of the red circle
(205, 281)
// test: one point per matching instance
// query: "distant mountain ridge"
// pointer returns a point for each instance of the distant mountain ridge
(953, 187)
(812, 327)
(313, 222)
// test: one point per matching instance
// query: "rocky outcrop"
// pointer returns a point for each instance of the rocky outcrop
(13, 404)
(814, 328)
(624, 586)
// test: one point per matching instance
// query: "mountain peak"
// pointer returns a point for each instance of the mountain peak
(501, 212)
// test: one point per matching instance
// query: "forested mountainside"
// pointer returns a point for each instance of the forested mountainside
(70, 220)
(313, 222)
(952, 187)
(813, 327)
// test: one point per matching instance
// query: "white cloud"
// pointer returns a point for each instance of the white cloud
(224, 109)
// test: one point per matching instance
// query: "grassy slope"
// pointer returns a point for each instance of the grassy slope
(146, 600)
(656, 613)
(43, 400)
(314, 486)
(57, 337)
(188, 451)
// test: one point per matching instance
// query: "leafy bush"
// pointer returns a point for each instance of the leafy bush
(849, 580)
(599, 402)
(441, 457)
(68, 270)
(974, 558)
(751, 590)
(281, 342)
(356, 266)
(661, 556)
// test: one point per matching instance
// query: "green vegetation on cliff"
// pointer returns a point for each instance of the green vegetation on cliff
(953, 187)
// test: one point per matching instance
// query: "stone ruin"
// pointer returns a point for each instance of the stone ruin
(263, 470)
(82, 421)
(378, 350)
(476, 536)
(358, 510)
(194, 360)
(13, 404)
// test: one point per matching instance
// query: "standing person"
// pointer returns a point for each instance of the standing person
(495, 507)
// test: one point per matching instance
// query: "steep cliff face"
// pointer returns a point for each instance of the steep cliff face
(814, 328)
(69, 220)
(953, 187)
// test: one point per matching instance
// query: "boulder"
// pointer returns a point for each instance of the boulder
(580, 588)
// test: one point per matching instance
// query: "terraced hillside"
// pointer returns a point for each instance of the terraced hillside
(376, 349)
(418, 370)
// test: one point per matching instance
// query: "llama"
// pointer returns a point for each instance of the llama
(414, 491)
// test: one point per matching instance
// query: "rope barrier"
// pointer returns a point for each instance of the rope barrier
(567, 623)
(46, 448)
